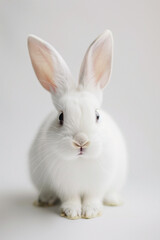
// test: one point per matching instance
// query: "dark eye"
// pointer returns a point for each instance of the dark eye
(97, 116)
(61, 118)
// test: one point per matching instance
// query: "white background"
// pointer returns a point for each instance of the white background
(132, 98)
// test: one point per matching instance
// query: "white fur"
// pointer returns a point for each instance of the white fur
(81, 182)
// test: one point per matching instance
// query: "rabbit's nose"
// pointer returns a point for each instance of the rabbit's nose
(80, 140)
(83, 145)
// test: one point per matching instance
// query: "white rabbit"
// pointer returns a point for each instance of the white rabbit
(79, 154)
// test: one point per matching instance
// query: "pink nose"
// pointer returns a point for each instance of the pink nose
(80, 140)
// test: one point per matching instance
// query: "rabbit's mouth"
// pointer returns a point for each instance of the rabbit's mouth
(81, 151)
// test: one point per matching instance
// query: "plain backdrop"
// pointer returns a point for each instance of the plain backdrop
(132, 98)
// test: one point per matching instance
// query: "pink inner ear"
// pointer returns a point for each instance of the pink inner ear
(43, 66)
(101, 64)
(49, 69)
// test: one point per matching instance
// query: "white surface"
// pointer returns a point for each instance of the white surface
(132, 98)
(137, 219)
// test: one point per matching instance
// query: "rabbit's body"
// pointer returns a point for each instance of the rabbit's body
(79, 154)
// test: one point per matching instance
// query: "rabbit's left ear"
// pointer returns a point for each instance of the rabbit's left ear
(96, 66)
(50, 68)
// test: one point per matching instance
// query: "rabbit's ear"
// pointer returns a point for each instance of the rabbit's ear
(96, 66)
(49, 66)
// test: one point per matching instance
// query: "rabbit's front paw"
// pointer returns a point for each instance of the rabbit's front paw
(71, 210)
(91, 210)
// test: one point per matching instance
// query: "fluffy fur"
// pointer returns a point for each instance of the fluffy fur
(82, 180)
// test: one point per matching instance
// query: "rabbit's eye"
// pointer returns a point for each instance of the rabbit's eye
(97, 116)
(61, 118)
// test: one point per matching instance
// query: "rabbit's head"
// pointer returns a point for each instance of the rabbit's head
(79, 124)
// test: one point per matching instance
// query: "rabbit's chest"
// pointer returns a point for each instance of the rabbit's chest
(82, 177)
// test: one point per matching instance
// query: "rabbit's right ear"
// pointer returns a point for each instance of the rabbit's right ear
(50, 68)
(96, 66)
